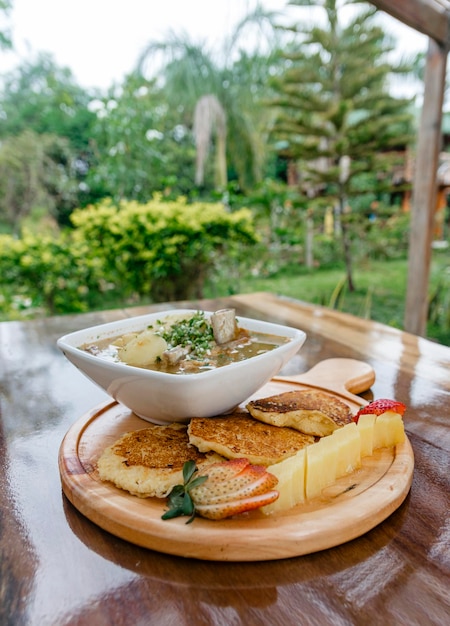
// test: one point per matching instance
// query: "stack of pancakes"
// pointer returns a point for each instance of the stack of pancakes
(149, 462)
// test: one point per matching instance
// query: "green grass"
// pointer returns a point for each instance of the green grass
(380, 291)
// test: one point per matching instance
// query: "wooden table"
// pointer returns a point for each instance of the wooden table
(56, 567)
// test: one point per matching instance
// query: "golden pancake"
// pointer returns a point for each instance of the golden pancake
(311, 412)
(239, 435)
(149, 462)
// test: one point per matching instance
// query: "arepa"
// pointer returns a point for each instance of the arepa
(238, 435)
(149, 462)
(311, 412)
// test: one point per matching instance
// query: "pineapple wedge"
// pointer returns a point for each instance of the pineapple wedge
(321, 466)
(365, 426)
(291, 482)
(349, 449)
(388, 430)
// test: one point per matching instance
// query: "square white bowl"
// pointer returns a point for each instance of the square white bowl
(162, 398)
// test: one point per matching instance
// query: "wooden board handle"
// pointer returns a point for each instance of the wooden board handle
(346, 377)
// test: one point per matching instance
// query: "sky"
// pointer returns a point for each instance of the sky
(101, 40)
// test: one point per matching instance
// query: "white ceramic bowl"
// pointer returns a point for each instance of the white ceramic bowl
(162, 398)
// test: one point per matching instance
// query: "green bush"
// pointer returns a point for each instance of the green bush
(163, 249)
(46, 273)
(388, 238)
(159, 250)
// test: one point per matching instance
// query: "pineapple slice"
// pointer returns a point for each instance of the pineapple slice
(329, 469)
(349, 449)
(291, 482)
(321, 465)
(388, 430)
(365, 426)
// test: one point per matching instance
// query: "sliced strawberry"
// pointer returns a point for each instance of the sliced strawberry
(378, 407)
(234, 507)
(252, 480)
(228, 469)
(221, 490)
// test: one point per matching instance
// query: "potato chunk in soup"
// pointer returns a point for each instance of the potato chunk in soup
(144, 349)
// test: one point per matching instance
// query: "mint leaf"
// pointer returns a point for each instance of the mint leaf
(179, 500)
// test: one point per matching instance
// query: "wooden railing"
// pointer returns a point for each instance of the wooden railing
(429, 17)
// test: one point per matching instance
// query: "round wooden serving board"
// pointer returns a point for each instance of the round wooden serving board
(352, 506)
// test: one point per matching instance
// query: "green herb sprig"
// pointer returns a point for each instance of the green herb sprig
(179, 499)
(195, 332)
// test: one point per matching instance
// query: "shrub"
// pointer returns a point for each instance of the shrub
(43, 272)
(388, 238)
(162, 249)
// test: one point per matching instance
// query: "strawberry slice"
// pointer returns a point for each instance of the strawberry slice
(227, 469)
(234, 507)
(378, 407)
(223, 485)
(221, 490)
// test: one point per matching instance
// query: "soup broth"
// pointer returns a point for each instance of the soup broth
(182, 347)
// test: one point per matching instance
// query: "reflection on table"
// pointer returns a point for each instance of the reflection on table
(57, 567)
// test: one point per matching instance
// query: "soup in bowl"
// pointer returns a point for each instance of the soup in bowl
(177, 364)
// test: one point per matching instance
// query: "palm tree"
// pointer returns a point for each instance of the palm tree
(220, 97)
(210, 116)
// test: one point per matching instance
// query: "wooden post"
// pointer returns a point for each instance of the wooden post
(425, 191)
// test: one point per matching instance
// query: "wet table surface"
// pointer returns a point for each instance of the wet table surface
(58, 568)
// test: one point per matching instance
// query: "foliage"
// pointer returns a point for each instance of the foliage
(165, 249)
(35, 173)
(41, 96)
(142, 144)
(43, 273)
(439, 301)
(39, 100)
(235, 80)
(40, 274)
(387, 235)
(62, 147)
(380, 294)
(336, 116)
(5, 35)
(161, 250)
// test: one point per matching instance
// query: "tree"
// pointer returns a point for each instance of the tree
(141, 144)
(43, 98)
(5, 36)
(336, 115)
(35, 173)
(231, 87)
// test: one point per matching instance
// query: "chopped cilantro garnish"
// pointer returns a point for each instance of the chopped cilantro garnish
(195, 332)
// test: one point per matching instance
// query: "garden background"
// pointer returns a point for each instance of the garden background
(286, 169)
